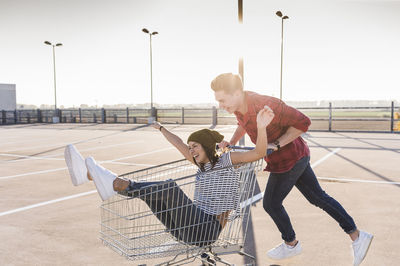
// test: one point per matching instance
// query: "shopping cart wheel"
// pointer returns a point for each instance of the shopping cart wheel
(206, 260)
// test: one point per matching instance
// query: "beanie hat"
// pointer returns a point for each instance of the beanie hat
(207, 138)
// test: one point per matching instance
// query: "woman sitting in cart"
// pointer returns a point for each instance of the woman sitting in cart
(198, 222)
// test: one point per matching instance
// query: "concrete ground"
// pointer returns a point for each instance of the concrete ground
(44, 220)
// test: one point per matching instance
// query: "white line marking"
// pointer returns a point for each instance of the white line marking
(107, 161)
(47, 202)
(49, 157)
(261, 194)
(26, 157)
(131, 164)
(27, 148)
(20, 141)
(359, 180)
(57, 144)
(251, 200)
(33, 173)
(325, 157)
(140, 154)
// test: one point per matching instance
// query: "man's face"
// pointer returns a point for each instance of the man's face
(229, 102)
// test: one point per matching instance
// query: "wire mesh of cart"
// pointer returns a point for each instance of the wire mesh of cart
(165, 219)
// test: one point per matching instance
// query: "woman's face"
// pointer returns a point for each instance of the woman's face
(197, 152)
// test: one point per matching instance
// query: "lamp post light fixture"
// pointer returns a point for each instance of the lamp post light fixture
(55, 118)
(241, 63)
(151, 63)
(279, 14)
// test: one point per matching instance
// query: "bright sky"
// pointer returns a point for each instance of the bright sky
(334, 49)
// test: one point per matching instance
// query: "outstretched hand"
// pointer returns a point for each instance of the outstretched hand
(265, 116)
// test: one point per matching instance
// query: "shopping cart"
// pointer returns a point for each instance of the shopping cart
(134, 229)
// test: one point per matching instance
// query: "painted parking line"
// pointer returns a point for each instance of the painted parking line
(25, 148)
(348, 180)
(57, 144)
(47, 203)
(26, 157)
(6, 142)
(62, 159)
(107, 161)
(140, 154)
(50, 157)
(33, 173)
(325, 157)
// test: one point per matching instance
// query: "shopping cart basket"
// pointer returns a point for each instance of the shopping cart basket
(134, 229)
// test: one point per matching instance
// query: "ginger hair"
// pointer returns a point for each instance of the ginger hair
(227, 82)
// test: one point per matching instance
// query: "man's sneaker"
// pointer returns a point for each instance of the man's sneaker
(76, 165)
(361, 246)
(103, 178)
(283, 251)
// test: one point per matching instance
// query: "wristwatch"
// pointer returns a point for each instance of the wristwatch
(277, 144)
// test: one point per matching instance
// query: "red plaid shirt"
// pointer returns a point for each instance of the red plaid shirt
(285, 116)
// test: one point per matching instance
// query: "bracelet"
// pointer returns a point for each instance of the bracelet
(160, 128)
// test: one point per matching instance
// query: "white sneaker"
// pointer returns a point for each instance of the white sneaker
(283, 251)
(361, 246)
(103, 178)
(76, 165)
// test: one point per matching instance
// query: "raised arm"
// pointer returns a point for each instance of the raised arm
(174, 140)
(264, 117)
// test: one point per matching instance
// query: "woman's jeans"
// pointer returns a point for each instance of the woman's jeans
(182, 218)
(302, 176)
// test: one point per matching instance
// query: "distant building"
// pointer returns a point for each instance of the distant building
(8, 97)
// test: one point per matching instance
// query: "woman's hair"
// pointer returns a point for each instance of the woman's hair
(212, 156)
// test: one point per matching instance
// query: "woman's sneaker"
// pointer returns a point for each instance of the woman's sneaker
(103, 178)
(283, 251)
(76, 165)
(361, 246)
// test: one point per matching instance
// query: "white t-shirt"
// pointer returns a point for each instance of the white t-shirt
(217, 190)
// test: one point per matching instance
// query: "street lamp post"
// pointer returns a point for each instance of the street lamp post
(55, 83)
(279, 14)
(151, 63)
(241, 64)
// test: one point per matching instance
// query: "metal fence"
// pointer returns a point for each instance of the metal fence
(330, 118)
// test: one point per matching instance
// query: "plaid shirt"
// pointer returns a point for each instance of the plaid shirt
(285, 116)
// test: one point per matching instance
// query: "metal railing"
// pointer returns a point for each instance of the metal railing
(357, 119)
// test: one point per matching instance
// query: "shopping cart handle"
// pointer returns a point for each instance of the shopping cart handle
(269, 151)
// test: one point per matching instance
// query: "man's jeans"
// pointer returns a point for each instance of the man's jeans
(302, 176)
(182, 218)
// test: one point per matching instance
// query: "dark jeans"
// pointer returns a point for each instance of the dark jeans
(302, 176)
(182, 218)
